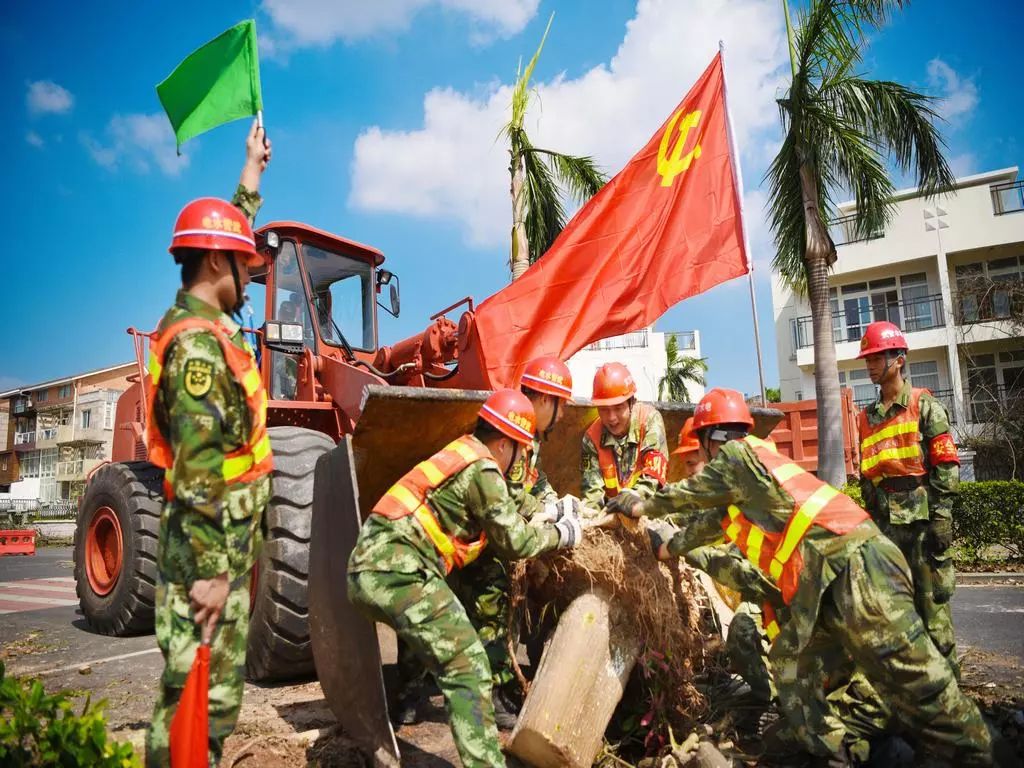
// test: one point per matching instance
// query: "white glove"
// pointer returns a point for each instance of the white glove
(555, 510)
(569, 531)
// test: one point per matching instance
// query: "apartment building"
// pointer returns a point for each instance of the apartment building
(643, 352)
(949, 272)
(58, 431)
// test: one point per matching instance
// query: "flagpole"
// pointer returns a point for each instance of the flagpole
(738, 180)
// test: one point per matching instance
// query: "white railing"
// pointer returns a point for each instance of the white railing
(48, 433)
(24, 438)
(632, 340)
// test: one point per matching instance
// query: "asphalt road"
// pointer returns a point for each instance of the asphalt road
(57, 644)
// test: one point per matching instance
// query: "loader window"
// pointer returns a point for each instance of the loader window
(289, 306)
(343, 298)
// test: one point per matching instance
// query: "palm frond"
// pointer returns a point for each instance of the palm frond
(521, 92)
(545, 214)
(578, 175)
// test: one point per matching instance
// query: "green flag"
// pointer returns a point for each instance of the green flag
(216, 84)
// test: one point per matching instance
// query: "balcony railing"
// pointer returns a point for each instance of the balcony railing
(633, 340)
(75, 469)
(983, 300)
(24, 438)
(944, 396)
(1008, 198)
(686, 341)
(843, 231)
(992, 404)
(911, 315)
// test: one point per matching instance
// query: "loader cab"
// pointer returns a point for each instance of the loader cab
(327, 285)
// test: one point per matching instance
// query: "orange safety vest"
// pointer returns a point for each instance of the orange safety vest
(814, 503)
(648, 462)
(771, 622)
(409, 497)
(253, 459)
(892, 448)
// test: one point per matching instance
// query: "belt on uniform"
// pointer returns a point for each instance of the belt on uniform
(907, 483)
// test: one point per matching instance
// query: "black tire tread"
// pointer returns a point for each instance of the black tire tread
(279, 644)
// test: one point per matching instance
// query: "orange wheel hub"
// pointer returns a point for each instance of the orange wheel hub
(103, 551)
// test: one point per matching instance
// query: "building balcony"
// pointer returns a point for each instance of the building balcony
(844, 231)
(76, 434)
(1008, 198)
(47, 437)
(21, 406)
(633, 340)
(76, 469)
(920, 319)
(993, 405)
(25, 441)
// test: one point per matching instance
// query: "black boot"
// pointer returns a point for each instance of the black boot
(506, 712)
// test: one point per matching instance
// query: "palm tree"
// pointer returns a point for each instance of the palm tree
(840, 129)
(680, 370)
(539, 179)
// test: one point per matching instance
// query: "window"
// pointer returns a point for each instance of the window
(64, 391)
(864, 303)
(3, 463)
(343, 295)
(967, 288)
(29, 465)
(108, 415)
(916, 303)
(41, 395)
(1003, 273)
(48, 463)
(857, 379)
(925, 374)
(86, 419)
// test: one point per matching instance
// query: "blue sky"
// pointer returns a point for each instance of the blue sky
(384, 118)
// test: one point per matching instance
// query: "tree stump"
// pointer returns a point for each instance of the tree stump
(581, 679)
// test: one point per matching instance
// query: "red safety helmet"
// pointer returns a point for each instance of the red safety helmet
(613, 384)
(212, 224)
(548, 375)
(721, 406)
(882, 336)
(687, 439)
(511, 413)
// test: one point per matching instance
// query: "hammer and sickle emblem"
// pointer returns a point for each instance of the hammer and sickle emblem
(672, 164)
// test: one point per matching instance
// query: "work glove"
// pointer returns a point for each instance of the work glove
(660, 532)
(569, 531)
(940, 535)
(554, 511)
(625, 503)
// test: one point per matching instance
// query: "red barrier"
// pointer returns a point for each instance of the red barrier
(797, 434)
(20, 542)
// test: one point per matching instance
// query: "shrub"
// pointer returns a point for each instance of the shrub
(988, 514)
(852, 489)
(40, 729)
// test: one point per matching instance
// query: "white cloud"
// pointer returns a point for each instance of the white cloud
(454, 168)
(46, 97)
(959, 96)
(138, 141)
(321, 22)
(35, 140)
(964, 164)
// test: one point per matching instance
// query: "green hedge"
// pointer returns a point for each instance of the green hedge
(989, 514)
(986, 515)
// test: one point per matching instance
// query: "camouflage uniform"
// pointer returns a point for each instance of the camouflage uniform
(854, 605)
(912, 517)
(210, 527)
(625, 450)
(396, 577)
(483, 586)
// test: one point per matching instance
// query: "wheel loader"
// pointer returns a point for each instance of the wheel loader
(346, 419)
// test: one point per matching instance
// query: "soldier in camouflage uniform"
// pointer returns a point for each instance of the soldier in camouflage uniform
(626, 446)
(206, 429)
(439, 517)
(483, 587)
(848, 588)
(910, 474)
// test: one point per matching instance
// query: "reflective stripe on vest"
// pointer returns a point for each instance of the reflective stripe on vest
(253, 459)
(651, 463)
(814, 503)
(892, 448)
(409, 497)
(771, 622)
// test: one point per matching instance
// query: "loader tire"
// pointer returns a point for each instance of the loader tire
(115, 547)
(279, 647)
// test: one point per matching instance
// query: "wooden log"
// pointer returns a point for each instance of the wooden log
(581, 678)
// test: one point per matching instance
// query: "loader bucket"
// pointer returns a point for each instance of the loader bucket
(399, 427)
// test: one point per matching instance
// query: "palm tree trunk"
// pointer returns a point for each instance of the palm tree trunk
(520, 260)
(819, 255)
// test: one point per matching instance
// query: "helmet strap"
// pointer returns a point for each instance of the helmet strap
(515, 457)
(236, 309)
(554, 418)
(889, 358)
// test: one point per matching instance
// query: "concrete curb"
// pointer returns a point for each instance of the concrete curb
(996, 577)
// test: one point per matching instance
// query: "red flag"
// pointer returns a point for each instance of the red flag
(190, 726)
(665, 228)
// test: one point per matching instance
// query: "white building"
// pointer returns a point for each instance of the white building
(946, 271)
(643, 352)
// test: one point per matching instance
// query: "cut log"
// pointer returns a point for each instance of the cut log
(582, 676)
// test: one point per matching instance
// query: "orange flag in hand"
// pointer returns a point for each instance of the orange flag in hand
(190, 727)
(665, 228)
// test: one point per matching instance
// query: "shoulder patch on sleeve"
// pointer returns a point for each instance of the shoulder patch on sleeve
(198, 377)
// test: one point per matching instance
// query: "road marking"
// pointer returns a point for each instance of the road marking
(7, 596)
(95, 662)
(61, 579)
(65, 589)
